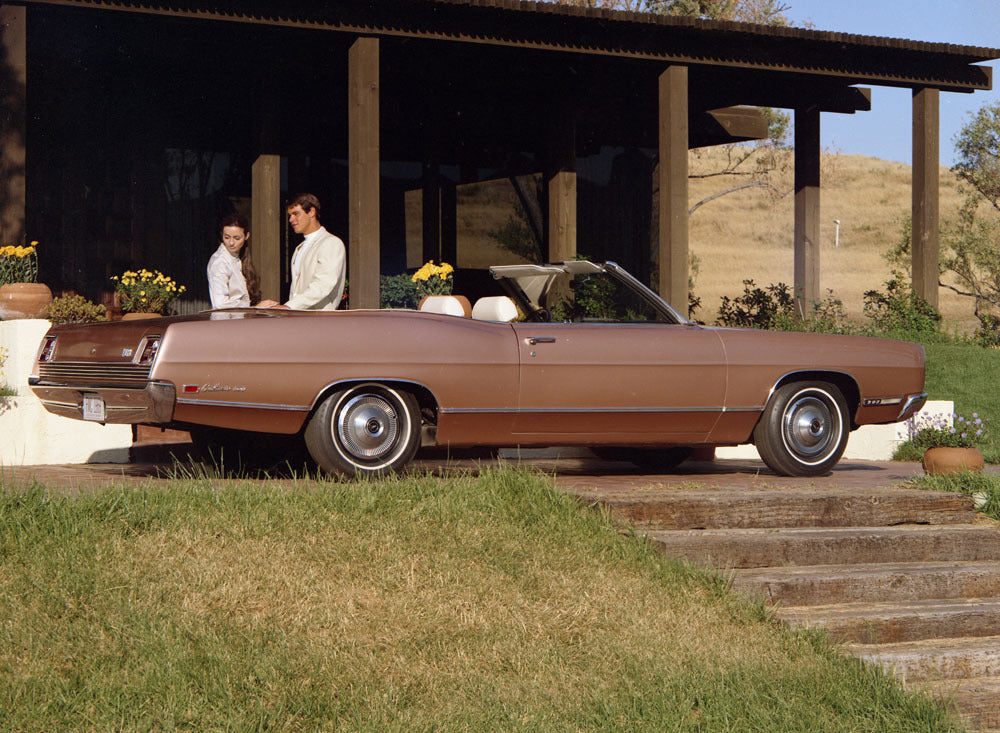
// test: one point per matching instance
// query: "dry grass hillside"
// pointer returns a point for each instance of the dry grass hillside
(749, 234)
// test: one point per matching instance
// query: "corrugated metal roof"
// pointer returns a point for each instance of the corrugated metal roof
(548, 26)
(974, 53)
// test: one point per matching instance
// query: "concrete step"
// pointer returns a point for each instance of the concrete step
(875, 582)
(684, 508)
(751, 548)
(896, 621)
(934, 659)
(976, 699)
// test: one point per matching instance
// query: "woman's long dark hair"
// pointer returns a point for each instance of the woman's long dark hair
(246, 256)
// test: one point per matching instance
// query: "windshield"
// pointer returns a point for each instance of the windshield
(584, 292)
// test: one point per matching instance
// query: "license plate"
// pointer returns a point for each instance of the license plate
(93, 408)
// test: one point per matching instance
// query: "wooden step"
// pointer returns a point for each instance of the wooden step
(684, 508)
(934, 659)
(874, 582)
(896, 621)
(976, 699)
(751, 548)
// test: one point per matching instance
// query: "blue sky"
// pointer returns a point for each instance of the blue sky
(885, 131)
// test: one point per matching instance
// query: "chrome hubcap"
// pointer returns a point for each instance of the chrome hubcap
(810, 427)
(367, 426)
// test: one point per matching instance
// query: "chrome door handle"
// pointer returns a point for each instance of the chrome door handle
(532, 340)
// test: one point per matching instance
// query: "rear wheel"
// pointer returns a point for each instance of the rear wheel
(368, 429)
(804, 429)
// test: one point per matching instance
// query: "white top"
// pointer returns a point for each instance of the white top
(226, 285)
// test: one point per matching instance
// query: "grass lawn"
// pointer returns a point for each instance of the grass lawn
(968, 374)
(465, 603)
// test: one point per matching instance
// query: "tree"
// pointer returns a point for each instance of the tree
(970, 244)
(978, 148)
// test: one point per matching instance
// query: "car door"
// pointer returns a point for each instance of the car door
(619, 383)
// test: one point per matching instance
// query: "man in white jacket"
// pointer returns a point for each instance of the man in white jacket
(319, 263)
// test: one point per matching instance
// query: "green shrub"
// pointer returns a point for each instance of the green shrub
(899, 311)
(74, 309)
(397, 291)
(757, 308)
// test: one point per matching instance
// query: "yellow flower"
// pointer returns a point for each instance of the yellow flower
(34, 242)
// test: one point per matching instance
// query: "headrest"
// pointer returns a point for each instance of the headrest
(449, 305)
(495, 308)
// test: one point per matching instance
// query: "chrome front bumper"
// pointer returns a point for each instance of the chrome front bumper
(912, 406)
(153, 403)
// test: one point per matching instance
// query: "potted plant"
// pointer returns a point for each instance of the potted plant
(949, 448)
(144, 293)
(21, 295)
(433, 279)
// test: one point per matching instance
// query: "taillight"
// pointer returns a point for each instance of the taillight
(48, 347)
(148, 351)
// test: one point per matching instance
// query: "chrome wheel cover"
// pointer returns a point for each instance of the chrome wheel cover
(368, 426)
(811, 426)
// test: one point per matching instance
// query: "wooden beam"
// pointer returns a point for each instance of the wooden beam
(807, 153)
(13, 124)
(924, 249)
(266, 220)
(672, 172)
(560, 180)
(363, 173)
(727, 125)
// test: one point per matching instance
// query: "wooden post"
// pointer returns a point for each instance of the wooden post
(560, 180)
(363, 174)
(265, 227)
(672, 173)
(431, 209)
(13, 124)
(449, 223)
(807, 151)
(924, 248)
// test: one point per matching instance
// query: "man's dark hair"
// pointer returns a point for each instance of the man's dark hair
(306, 201)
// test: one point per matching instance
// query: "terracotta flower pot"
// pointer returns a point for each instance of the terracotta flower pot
(139, 315)
(23, 300)
(943, 461)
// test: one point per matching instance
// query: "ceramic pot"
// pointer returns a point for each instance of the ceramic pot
(23, 300)
(943, 461)
(139, 315)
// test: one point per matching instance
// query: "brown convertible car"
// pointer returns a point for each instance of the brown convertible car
(574, 353)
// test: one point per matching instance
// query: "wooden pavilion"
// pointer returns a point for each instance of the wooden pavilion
(358, 100)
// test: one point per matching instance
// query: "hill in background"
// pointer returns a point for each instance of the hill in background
(749, 233)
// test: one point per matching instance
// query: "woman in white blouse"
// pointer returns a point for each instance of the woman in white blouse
(232, 279)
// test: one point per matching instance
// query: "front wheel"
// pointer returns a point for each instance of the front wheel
(804, 429)
(368, 429)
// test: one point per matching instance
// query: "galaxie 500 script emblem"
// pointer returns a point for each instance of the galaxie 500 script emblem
(191, 388)
(222, 388)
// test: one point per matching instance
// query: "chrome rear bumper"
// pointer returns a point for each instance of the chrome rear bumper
(153, 403)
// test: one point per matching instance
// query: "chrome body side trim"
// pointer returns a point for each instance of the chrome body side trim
(249, 405)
